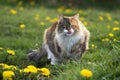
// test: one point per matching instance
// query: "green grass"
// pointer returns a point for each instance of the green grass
(103, 60)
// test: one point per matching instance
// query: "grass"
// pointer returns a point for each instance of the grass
(102, 58)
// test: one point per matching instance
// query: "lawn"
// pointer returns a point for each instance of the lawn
(22, 26)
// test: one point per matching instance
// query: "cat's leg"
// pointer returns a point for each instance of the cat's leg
(51, 55)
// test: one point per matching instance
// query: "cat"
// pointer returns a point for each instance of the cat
(66, 39)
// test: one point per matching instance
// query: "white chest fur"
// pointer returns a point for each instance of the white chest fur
(67, 42)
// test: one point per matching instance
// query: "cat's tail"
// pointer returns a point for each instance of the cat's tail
(35, 55)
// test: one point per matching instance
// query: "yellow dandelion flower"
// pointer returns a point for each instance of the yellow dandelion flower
(111, 35)
(109, 18)
(36, 17)
(7, 75)
(20, 3)
(1, 48)
(114, 39)
(86, 73)
(116, 29)
(60, 9)
(21, 8)
(82, 18)
(106, 40)
(68, 11)
(108, 26)
(47, 18)
(22, 26)
(53, 20)
(107, 14)
(32, 3)
(13, 67)
(93, 46)
(81, 11)
(29, 68)
(5, 66)
(26, 70)
(42, 24)
(101, 18)
(12, 11)
(45, 71)
(85, 23)
(1, 64)
(11, 52)
(116, 22)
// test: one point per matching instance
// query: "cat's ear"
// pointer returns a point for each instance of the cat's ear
(76, 16)
(60, 17)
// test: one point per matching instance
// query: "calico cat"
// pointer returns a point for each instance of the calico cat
(66, 39)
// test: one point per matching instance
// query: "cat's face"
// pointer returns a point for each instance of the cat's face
(68, 26)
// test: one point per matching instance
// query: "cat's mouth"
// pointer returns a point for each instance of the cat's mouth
(68, 32)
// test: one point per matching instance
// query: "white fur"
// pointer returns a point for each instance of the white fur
(50, 55)
(66, 42)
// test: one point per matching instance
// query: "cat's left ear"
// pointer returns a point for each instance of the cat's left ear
(76, 16)
(60, 17)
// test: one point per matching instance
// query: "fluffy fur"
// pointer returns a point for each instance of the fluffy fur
(67, 39)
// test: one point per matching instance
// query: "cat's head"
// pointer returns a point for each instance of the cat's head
(68, 26)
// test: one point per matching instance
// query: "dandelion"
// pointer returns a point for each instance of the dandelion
(22, 26)
(105, 40)
(68, 11)
(108, 26)
(42, 24)
(7, 75)
(109, 18)
(82, 18)
(101, 18)
(20, 3)
(81, 11)
(111, 35)
(5, 66)
(107, 14)
(85, 23)
(93, 46)
(1, 48)
(36, 17)
(21, 8)
(32, 3)
(116, 22)
(53, 20)
(12, 11)
(1, 64)
(86, 73)
(11, 52)
(45, 71)
(114, 39)
(116, 29)
(47, 18)
(60, 9)
(29, 68)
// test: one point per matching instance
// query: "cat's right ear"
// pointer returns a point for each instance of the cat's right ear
(60, 17)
